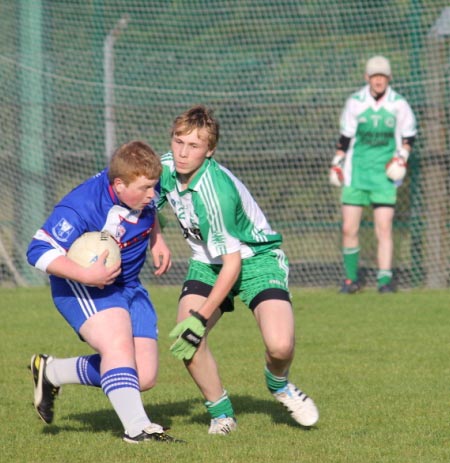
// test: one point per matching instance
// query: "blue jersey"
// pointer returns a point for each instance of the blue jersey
(93, 206)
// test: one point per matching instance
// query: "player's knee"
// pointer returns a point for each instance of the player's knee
(147, 382)
(383, 233)
(281, 351)
(147, 377)
(349, 230)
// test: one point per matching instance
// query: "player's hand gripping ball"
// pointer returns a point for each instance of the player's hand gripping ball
(87, 248)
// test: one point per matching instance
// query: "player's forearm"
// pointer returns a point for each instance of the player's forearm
(64, 267)
(342, 145)
(97, 274)
(156, 234)
(406, 146)
(227, 277)
(162, 259)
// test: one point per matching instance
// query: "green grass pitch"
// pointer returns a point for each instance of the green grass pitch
(377, 366)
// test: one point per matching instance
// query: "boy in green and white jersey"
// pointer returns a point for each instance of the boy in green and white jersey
(218, 206)
(377, 130)
(234, 252)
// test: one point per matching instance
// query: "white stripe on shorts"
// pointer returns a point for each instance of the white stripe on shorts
(86, 303)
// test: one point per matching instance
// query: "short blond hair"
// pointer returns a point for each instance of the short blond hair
(197, 117)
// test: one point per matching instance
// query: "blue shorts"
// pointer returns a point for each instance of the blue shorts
(77, 302)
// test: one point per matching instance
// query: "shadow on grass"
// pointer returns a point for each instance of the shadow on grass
(107, 420)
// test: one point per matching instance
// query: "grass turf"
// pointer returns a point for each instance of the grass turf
(376, 365)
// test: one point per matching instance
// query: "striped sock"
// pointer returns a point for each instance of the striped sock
(274, 383)
(74, 370)
(384, 277)
(351, 262)
(88, 370)
(121, 385)
(221, 407)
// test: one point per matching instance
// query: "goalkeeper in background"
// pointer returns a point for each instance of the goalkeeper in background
(377, 130)
(234, 252)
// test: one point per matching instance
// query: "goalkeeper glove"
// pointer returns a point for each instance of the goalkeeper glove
(189, 334)
(396, 167)
(336, 176)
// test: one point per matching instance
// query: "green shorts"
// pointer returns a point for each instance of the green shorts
(263, 277)
(357, 197)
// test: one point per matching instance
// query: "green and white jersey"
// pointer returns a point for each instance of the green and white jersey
(217, 214)
(376, 129)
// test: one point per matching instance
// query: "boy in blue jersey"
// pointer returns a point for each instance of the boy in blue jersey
(234, 252)
(107, 307)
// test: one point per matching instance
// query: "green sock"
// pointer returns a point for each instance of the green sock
(351, 262)
(274, 383)
(221, 407)
(384, 277)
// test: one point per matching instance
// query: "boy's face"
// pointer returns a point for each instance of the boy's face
(378, 84)
(189, 152)
(137, 194)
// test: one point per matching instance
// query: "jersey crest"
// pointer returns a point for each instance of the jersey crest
(62, 230)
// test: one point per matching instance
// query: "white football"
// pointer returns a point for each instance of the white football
(86, 249)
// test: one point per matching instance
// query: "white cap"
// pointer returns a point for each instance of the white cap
(378, 65)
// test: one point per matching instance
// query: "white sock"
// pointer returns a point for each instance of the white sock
(62, 371)
(121, 385)
(128, 405)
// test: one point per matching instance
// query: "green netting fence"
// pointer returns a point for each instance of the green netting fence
(77, 78)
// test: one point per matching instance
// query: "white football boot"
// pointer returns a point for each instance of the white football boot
(301, 407)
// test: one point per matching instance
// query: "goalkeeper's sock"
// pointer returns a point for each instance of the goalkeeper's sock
(221, 407)
(274, 383)
(121, 386)
(384, 277)
(74, 370)
(351, 262)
